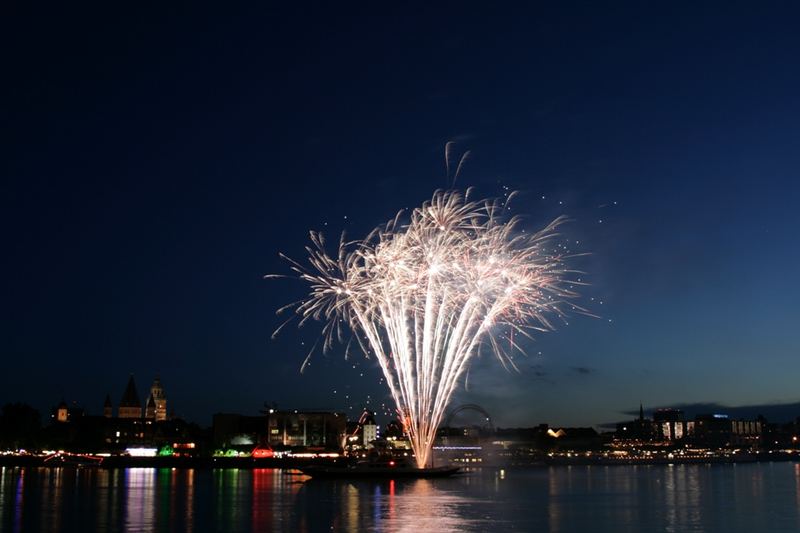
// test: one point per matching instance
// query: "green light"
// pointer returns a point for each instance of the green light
(165, 451)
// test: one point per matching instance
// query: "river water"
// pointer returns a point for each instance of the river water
(725, 498)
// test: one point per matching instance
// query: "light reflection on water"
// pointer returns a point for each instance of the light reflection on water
(620, 498)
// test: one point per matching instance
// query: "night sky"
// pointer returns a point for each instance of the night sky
(155, 161)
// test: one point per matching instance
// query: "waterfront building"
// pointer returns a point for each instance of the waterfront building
(321, 429)
(669, 424)
(746, 432)
(713, 431)
(230, 429)
(369, 431)
(280, 429)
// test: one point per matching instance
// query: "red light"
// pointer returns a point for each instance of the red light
(391, 463)
(261, 453)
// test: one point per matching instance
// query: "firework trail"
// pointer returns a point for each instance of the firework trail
(427, 295)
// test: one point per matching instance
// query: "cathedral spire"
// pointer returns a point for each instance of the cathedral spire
(129, 406)
(150, 410)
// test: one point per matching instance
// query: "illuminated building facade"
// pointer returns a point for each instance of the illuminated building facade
(369, 431)
(706, 430)
(306, 428)
(130, 406)
(746, 432)
(159, 400)
(62, 412)
(669, 424)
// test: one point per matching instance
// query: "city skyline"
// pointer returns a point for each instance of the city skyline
(154, 169)
(116, 405)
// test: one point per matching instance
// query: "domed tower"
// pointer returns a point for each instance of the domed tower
(129, 406)
(159, 399)
(108, 409)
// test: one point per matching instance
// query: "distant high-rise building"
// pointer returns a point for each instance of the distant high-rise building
(159, 401)
(129, 406)
(108, 409)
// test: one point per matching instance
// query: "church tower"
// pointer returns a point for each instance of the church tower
(150, 409)
(108, 409)
(159, 400)
(129, 406)
(62, 412)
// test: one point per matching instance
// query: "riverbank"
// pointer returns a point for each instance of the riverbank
(165, 462)
(123, 461)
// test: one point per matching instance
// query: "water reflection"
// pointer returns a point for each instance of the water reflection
(139, 489)
(637, 498)
(272, 497)
(386, 505)
(681, 498)
(20, 501)
(421, 505)
(797, 492)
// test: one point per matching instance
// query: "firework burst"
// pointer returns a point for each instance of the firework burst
(426, 295)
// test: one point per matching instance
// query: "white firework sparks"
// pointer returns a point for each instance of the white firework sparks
(424, 297)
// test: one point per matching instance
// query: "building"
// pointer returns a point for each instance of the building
(746, 432)
(280, 429)
(570, 439)
(229, 429)
(159, 401)
(150, 409)
(712, 431)
(639, 430)
(129, 405)
(75, 430)
(320, 429)
(669, 424)
(369, 430)
(363, 433)
(62, 412)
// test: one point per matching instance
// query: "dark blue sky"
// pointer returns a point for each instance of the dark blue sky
(155, 161)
